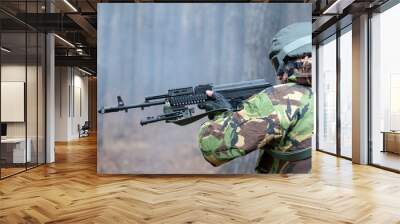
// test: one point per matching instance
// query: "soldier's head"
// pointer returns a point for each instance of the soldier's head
(290, 52)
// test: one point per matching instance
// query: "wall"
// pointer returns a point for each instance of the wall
(12, 73)
(71, 102)
(80, 102)
(17, 73)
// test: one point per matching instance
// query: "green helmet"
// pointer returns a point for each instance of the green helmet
(291, 41)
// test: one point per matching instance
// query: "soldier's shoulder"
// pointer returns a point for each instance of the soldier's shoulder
(288, 87)
(279, 94)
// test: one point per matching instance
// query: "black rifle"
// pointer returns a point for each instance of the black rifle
(177, 101)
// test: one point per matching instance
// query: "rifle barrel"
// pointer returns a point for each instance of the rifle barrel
(143, 105)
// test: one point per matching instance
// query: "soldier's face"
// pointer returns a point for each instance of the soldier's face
(305, 68)
(282, 78)
(300, 66)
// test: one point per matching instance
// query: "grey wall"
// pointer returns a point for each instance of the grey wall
(71, 102)
(146, 49)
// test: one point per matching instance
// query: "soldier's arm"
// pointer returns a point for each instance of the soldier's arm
(235, 134)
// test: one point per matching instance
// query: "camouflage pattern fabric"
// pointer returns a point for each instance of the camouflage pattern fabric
(278, 118)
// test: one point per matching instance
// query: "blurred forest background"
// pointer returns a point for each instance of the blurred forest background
(146, 49)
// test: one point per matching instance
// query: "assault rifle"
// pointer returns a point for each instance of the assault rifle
(177, 102)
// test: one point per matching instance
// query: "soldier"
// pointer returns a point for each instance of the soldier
(278, 121)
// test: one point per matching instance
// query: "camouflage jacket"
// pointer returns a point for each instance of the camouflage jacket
(279, 118)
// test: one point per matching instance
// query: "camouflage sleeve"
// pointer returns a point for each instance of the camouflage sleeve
(234, 134)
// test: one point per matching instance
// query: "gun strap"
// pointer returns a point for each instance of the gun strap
(291, 156)
(185, 121)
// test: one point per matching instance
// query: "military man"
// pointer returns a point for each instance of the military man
(278, 121)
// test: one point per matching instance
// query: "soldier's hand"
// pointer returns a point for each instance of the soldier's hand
(217, 101)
